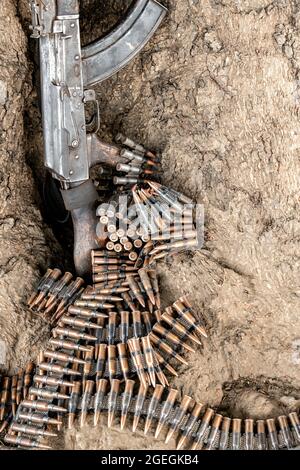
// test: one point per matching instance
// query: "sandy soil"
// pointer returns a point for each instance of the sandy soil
(217, 92)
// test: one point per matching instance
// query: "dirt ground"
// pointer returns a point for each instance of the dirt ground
(217, 92)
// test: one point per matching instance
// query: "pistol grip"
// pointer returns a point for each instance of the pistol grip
(81, 202)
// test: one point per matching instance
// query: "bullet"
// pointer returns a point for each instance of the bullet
(139, 405)
(99, 399)
(126, 400)
(63, 357)
(44, 406)
(136, 290)
(76, 334)
(101, 297)
(87, 368)
(166, 410)
(51, 279)
(147, 322)
(136, 354)
(166, 334)
(70, 345)
(188, 428)
(77, 322)
(39, 287)
(112, 361)
(27, 378)
(147, 284)
(154, 402)
(93, 304)
(200, 435)
(273, 438)
(45, 393)
(189, 318)
(285, 431)
(112, 400)
(85, 312)
(149, 358)
(71, 289)
(19, 387)
(179, 414)
(112, 322)
(106, 277)
(157, 314)
(164, 364)
(24, 442)
(294, 419)
(57, 369)
(101, 361)
(155, 286)
(124, 326)
(211, 441)
(52, 381)
(179, 328)
(6, 422)
(123, 357)
(166, 348)
(37, 418)
(159, 373)
(167, 198)
(236, 433)
(261, 435)
(137, 324)
(31, 430)
(128, 301)
(86, 398)
(14, 382)
(73, 404)
(57, 287)
(4, 397)
(249, 438)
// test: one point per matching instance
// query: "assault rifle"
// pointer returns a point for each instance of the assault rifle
(67, 70)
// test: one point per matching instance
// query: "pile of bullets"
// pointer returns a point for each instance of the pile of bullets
(12, 391)
(139, 163)
(54, 293)
(151, 222)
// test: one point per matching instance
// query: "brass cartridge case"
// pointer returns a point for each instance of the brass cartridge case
(77, 322)
(57, 369)
(272, 434)
(137, 324)
(123, 357)
(249, 438)
(101, 361)
(149, 358)
(166, 334)
(45, 393)
(295, 422)
(31, 430)
(14, 382)
(102, 385)
(126, 400)
(112, 400)
(88, 357)
(154, 402)
(136, 354)
(261, 435)
(76, 334)
(136, 290)
(198, 441)
(93, 304)
(144, 276)
(285, 431)
(19, 387)
(70, 345)
(73, 404)
(124, 327)
(147, 322)
(180, 412)
(112, 361)
(85, 312)
(166, 348)
(139, 405)
(112, 325)
(39, 287)
(213, 432)
(5, 393)
(86, 398)
(44, 406)
(179, 328)
(190, 424)
(52, 381)
(236, 433)
(27, 378)
(24, 442)
(63, 357)
(166, 410)
(38, 418)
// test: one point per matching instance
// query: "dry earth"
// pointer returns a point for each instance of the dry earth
(217, 92)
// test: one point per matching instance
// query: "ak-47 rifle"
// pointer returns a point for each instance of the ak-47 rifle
(71, 146)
